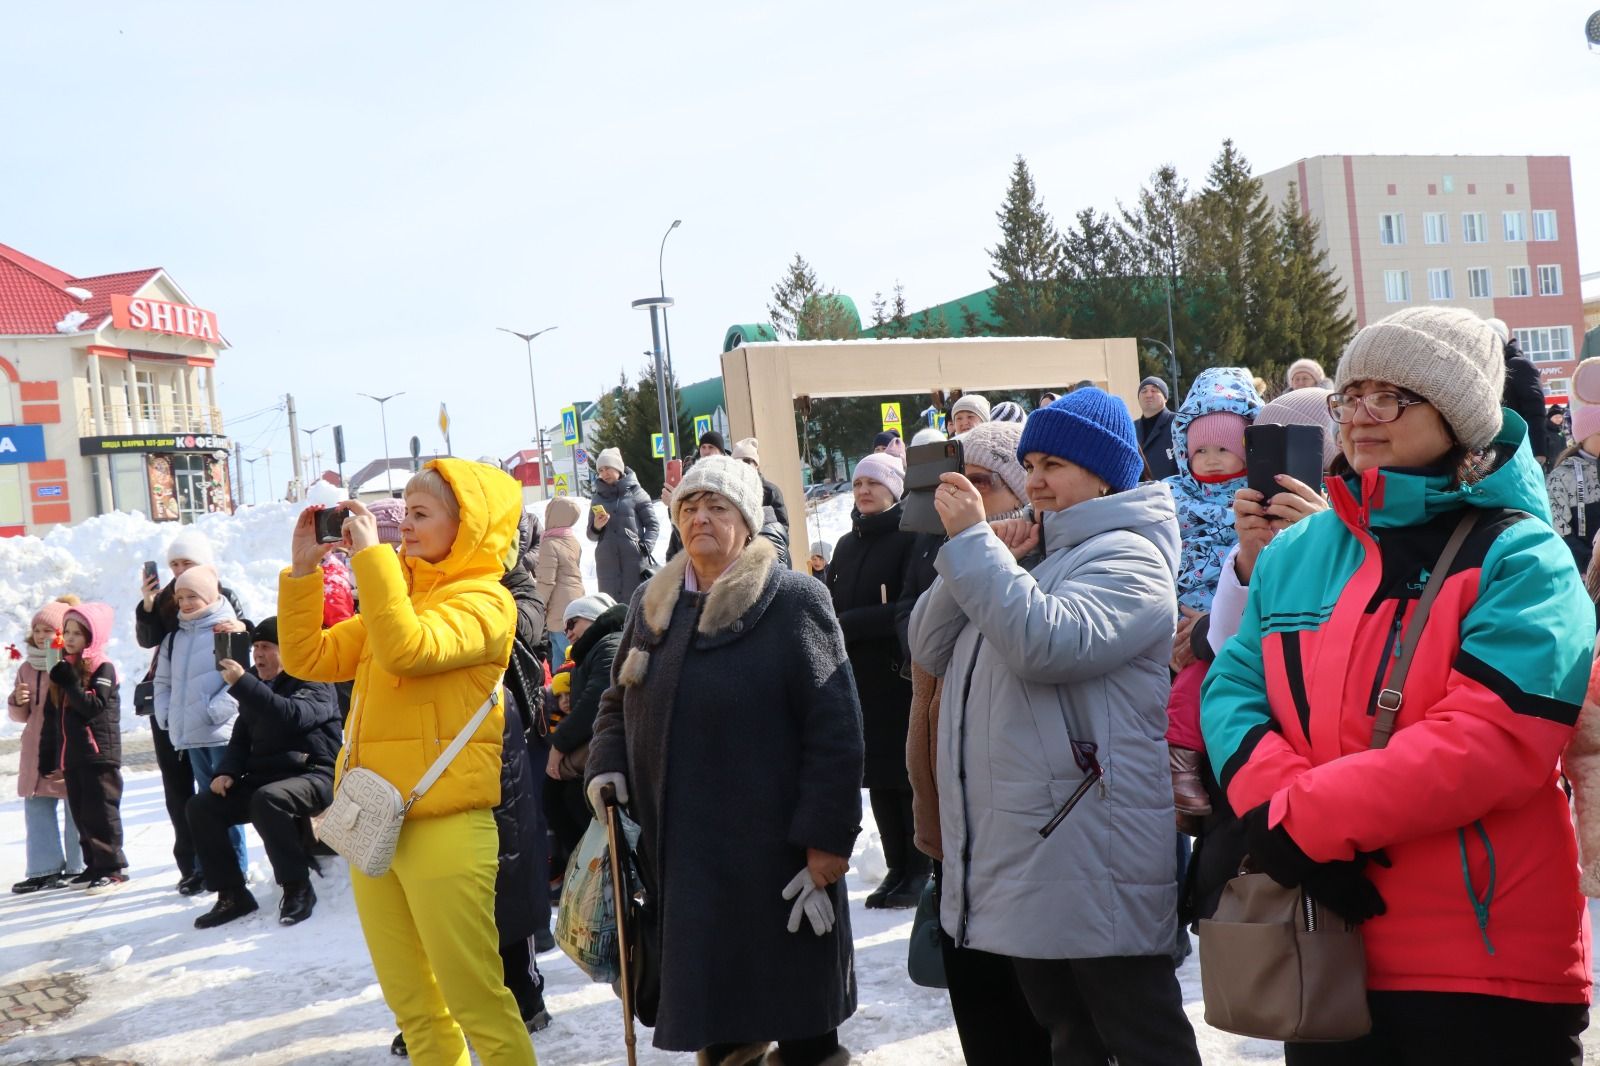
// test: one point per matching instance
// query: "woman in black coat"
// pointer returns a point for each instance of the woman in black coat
(870, 567)
(733, 733)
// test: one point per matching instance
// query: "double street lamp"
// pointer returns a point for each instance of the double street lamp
(383, 414)
(538, 427)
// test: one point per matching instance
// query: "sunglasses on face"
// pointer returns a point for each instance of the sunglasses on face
(1382, 406)
(981, 482)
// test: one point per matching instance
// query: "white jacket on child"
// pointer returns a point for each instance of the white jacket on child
(192, 700)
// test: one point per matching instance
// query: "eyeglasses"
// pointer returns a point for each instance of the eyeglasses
(1084, 753)
(1381, 406)
(981, 482)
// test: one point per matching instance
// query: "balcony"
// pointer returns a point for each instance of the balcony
(121, 420)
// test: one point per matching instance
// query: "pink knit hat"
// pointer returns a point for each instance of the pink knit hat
(203, 582)
(1585, 401)
(389, 512)
(1222, 429)
(886, 470)
(54, 613)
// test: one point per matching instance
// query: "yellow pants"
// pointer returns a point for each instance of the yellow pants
(429, 926)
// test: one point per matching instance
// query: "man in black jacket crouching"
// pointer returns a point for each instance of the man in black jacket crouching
(278, 769)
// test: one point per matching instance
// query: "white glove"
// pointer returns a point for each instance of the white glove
(600, 781)
(812, 902)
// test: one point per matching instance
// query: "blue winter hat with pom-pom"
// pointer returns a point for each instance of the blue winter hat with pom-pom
(1091, 428)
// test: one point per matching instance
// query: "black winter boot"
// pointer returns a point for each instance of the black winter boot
(191, 884)
(878, 899)
(908, 893)
(298, 901)
(231, 903)
(398, 1048)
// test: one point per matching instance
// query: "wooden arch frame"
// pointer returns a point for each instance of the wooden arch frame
(762, 381)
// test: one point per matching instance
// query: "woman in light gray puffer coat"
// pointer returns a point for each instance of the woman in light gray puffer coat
(1055, 687)
(192, 701)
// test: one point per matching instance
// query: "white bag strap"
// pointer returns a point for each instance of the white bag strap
(442, 763)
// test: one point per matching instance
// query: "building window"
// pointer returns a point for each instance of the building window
(1449, 183)
(1439, 286)
(1473, 228)
(1435, 229)
(1561, 387)
(1480, 285)
(1515, 231)
(1392, 228)
(189, 485)
(1550, 280)
(11, 502)
(1517, 281)
(1546, 344)
(128, 489)
(1397, 286)
(1544, 226)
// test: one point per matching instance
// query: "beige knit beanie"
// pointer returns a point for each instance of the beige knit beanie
(1448, 356)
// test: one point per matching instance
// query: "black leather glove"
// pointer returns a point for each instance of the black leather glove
(1340, 885)
(64, 674)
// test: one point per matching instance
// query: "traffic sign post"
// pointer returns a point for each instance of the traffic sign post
(561, 484)
(702, 426)
(444, 427)
(658, 447)
(569, 426)
(891, 415)
(416, 454)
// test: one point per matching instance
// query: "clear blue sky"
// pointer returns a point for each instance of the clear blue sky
(364, 191)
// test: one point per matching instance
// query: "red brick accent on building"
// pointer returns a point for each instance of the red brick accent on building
(51, 513)
(1472, 189)
(1393, 191)
(37, 390)
(1433, 190)
(41, 414)
(49, 470)
(13, 531)
(9, 370)
(1511, 188)
(108, 352)
(1355, 242)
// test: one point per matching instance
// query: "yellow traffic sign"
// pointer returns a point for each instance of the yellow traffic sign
(561, 484)
(891, 415)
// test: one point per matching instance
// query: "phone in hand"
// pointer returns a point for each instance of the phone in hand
(925, 464)
(1273, 450)
(330, 524)
(598, 510)
(235, 646)
(151, 575)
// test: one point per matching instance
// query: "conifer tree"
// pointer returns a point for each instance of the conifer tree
(1096, 264)
(1026, 264)
(1235, 258)
(790, 295)
(1317, 325)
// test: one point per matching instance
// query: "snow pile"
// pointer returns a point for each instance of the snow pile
(71, 322)
(100, 559)
(78, 293)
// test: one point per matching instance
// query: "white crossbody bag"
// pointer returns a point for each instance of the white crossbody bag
(363, 822)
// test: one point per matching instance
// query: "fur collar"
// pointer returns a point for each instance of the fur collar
(734, 593)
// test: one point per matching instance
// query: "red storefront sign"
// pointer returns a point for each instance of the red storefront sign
(158, 316)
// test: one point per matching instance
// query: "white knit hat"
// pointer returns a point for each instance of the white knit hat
(749, 448)
(191, 544)
(1309, 365)
(727, 477)
(590, 607)
(927, 435)
(611, 457)
(977, 403)
(994, 445)
(1448, 356)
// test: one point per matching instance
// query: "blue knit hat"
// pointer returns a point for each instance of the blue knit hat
(1091, 428)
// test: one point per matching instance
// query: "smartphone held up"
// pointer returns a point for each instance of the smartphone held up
(330, 524)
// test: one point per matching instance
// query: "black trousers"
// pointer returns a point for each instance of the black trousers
(177, 781)
(566, 811)
(1459, 1028)
(897, 827)
(1127, 1009)
(94, 796)
(992, 1016)
(274, 808)
(806, 1051)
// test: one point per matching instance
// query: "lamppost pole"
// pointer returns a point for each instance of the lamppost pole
(311, 448)
(666, 332)
(1171, 358)
(538, 427)
(655, 305)
(383, 416)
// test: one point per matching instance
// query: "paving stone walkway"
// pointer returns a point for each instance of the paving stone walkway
(36, 1003)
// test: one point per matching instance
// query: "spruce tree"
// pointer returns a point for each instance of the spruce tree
(899, 324)
(1318, 327)
(1160, 235)
(1097, 266)
(1236, 260)
(1026, 264)
(790, 295)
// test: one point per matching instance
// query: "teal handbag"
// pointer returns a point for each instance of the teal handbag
(925, 959)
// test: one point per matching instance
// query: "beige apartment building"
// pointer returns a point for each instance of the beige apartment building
(1494, 234)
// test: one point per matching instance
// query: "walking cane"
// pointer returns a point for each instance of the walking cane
(619, 896)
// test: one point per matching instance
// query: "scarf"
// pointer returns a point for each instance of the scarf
(558, 531)
(36, 658)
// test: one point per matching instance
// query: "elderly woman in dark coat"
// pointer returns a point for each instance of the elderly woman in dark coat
(748, 822)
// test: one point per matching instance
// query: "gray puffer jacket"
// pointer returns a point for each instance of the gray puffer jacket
(193, 703)
(1075, 650)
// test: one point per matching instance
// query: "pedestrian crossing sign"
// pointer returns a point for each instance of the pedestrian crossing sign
(891, 415)
(658, 446)
(569, 425)
(702, 426)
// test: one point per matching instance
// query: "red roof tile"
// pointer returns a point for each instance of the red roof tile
(34, 296)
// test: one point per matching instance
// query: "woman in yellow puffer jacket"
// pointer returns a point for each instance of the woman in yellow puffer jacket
(431, 643)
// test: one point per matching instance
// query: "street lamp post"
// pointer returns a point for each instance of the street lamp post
(538, 427)
(383, 415)
(264, 455)
(1171, 358)
(311, 448)
(666, 331)
(656, 305)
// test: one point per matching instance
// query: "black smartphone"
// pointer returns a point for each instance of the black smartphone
(235, 646)
(330, 524)
(1273, 450)
(925, 464)
(150, 573)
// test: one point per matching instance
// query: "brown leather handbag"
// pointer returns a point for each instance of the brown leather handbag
(1274, 963)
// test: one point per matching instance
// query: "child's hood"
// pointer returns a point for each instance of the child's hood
(99, 619)
(1218, 389)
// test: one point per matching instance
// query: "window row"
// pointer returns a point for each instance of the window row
(1546, 344)
(1480, 284)
(1474, 227)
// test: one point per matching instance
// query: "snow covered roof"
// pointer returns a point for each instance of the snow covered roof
(36, 298)
(1591, 287)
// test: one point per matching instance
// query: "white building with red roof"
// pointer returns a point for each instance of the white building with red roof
(107, 398)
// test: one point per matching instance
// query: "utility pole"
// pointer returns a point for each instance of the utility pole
(294, 449)
(236, 490)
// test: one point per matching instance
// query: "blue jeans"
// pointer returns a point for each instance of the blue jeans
(204, 762)
(53, 846)
(558, 648)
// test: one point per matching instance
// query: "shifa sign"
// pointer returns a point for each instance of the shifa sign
(158, 316)
(21, 444)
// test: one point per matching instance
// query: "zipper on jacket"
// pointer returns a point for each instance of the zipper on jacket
(1387, 657)
(966, 810)
(1480, 904)
(1310, 907)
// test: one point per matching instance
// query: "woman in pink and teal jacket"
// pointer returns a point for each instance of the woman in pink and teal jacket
(1452, 845)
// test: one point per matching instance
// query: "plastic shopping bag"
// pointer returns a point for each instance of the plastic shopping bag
(586, 924)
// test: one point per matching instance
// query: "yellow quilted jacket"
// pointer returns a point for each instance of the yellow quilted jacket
(430, 644)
